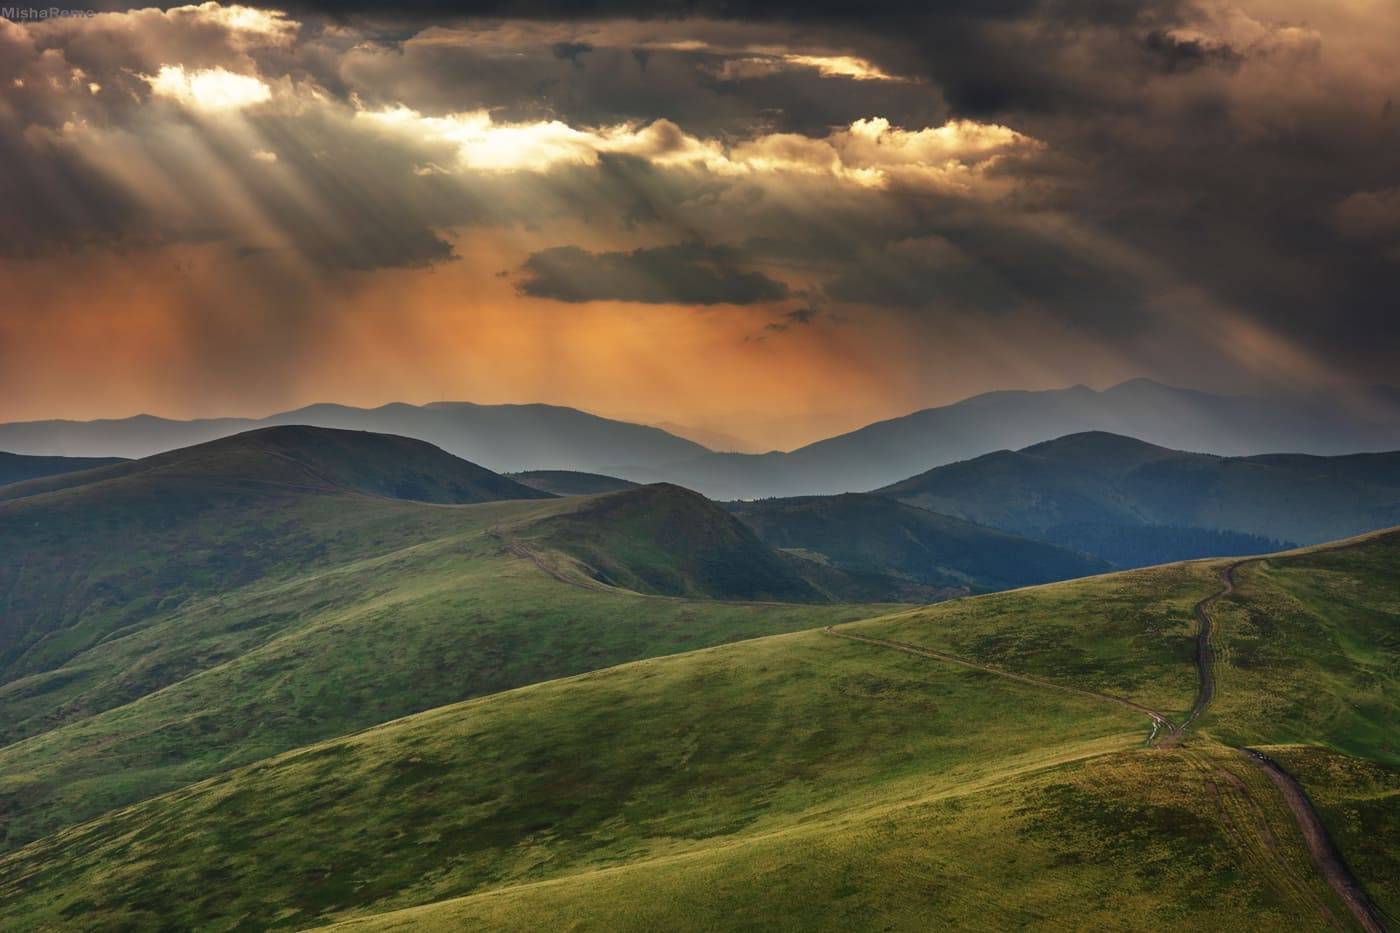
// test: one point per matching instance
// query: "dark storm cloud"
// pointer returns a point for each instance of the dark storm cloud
(1225, 156)
(687, 273)
(1182, 54)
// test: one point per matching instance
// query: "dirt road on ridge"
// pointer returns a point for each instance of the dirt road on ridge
(1165, 733)
(1325, 855)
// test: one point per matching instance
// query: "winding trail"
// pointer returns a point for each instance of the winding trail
(1325, 856)
(1160, 723)
(1165, 733)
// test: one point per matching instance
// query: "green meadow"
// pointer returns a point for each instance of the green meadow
(793, 781)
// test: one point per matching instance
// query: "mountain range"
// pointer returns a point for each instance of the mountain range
(1077, 489)
(511, 438)
(502, 438)
(304, 675)
(1184, 419)
(292, 698)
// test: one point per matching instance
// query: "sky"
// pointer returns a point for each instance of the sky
(768, 221)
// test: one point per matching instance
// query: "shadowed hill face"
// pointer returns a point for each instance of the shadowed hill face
(16, 468)
(1103, 481)
(874, 534)
(86, 554)
(306, 459)
(669, 541)
(571, 482)
(1104, 453)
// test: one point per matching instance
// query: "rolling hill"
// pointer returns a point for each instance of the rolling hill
(872, 534)
(888, 451)
(499, 437)
(172, 617)
(16, 468)
(84, 555)
(1084, 490)
(662, 540)
(1048, 756)
(571, 482)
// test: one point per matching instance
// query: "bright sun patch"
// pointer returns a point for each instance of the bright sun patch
(212, 89)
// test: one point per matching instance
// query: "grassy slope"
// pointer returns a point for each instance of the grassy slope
(665, 540)
(1128, 634)
(875, 534)
(1130, 841)
(89, 555)
(228, 680)
(1359, 801)
(657, 758)
(1309, 652)
(813, 779)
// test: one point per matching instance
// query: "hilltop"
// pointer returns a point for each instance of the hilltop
(663, 540)
(571, 482)
(304, 457)
(16, 468)
(1085, 489)
(197, 610)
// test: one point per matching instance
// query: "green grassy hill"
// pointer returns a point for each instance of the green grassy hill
(663, 540)
(86, 555)
(16, 468)
(571, 482)
(980, 764)
(872, 534)
(1092, 491)
(200, 611)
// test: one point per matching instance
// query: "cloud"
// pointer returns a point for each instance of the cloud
(209, 88)
(869, 153)
(1369, 213)
(1180, 52)
(686, 273)
(797, 317)
(1119, 169)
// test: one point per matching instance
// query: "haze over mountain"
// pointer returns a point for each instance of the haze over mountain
(1087, 488)
(889, 451)
(513, 438)
(502, 438)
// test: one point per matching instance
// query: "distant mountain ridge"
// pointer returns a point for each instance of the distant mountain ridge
(1181, 419)
(515, 438)
(334, 460)
(1061, 489)
(571, 482)
(502, 438)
